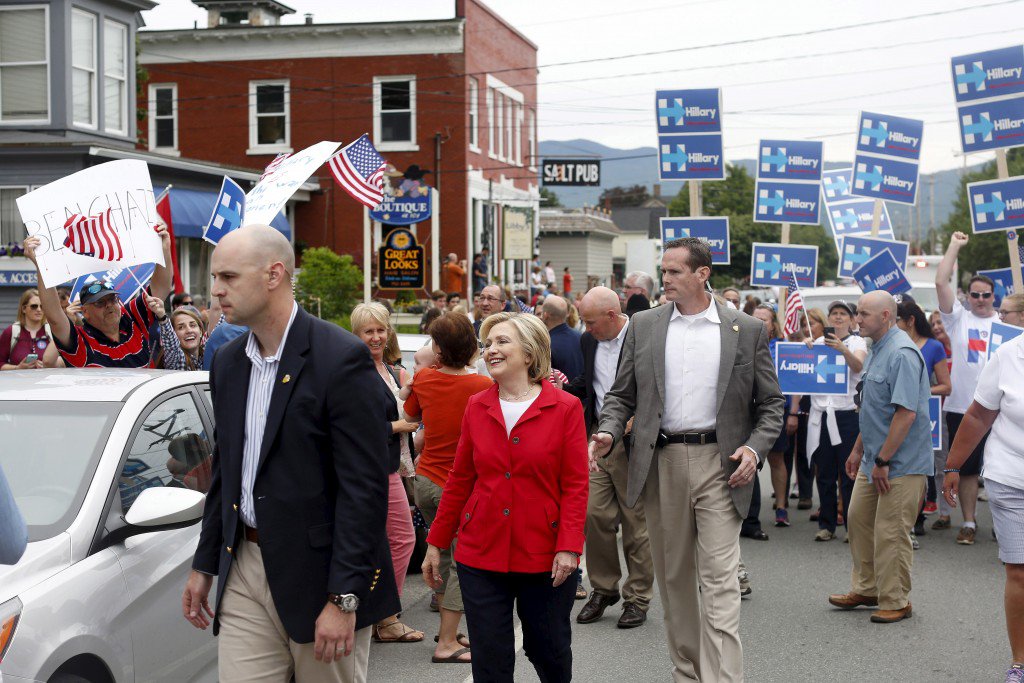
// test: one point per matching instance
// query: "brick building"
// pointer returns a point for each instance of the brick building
(456, 96)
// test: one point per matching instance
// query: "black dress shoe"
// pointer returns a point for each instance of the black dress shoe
(758, 535)
(595, 607)
(632, 616)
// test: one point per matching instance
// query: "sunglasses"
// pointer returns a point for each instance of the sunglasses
(34, 307)
(97, 287)
(981, 295)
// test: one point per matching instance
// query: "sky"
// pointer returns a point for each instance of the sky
(775, 83)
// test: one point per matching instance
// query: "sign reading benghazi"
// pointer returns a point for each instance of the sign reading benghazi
(401, 261)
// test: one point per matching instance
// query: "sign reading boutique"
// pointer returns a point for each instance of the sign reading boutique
(404, 210)
(401, 262)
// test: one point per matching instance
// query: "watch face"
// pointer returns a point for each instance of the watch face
(349, 603)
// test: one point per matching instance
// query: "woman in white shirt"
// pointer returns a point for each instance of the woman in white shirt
(833, 424)
(999, 405)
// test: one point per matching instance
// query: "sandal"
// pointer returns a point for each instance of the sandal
(453, 658)
(462, 639)
(408, 635)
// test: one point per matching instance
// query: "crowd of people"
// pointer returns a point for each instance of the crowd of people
(484, 445)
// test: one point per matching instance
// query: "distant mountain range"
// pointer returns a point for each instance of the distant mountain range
(626, 167)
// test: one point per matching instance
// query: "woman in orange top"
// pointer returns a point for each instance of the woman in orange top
(438, 398)
(517, 497)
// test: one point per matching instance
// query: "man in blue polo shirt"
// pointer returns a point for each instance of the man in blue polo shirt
(890, 463)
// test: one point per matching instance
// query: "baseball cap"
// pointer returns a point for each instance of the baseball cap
(839, 303)
(95, 291)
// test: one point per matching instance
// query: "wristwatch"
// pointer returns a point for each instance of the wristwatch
(346, 603)
(881, 463)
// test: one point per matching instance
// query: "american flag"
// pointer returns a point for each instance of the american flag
(794, 304)
(360, 171)
(272, 166)
(93, 236)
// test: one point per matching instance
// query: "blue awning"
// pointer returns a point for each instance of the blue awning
(191, 209)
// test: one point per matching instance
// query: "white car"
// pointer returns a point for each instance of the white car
(109, 469)
(410, 344)
(820, 297)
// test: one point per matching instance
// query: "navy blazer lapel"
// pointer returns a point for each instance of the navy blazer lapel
(293, 358)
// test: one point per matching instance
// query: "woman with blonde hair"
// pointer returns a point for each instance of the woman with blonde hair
(372, 324)
(517, 498)
(23, 344)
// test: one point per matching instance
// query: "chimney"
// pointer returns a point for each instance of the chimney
(309, 18)
(657, 190)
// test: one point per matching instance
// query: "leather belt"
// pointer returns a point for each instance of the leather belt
(250, 534)
(693, 438)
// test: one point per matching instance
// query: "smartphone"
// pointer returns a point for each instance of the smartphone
(32, 357)
(830, 331)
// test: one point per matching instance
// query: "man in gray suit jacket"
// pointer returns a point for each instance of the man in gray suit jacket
(707, 415)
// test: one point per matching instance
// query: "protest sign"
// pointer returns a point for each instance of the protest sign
(885, 165)
(1002, 333)
(127, 282)
(714, 231)
(769, 264)
(270, 195)
(689, 126)
(820, 370)
(228, 211)
(788, 173)
(1002, 278)
(882, 272)
(996, 204)
(935, 418)
(855, 251)
(121, 186)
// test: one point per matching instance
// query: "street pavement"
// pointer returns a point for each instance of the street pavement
(789, 631)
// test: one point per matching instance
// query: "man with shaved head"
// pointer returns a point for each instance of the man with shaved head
(890, 463)
(601, 347)
(565, 341)
(294, 523)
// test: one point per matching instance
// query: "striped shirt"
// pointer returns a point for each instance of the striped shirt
(90, 348)
(261, 387)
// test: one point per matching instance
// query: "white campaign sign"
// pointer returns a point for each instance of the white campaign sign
(266, 200)
(123, 187)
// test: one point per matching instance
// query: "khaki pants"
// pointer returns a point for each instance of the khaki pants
(607, 509)
(253, 645)
(428, 498)
(695, 540)
(879, 529)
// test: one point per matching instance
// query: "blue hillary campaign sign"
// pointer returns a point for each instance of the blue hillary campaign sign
(885, 178)
(714, 231)
(854, 218)
(690, 157)
(1002, 333)
(997, 204)
(689, 111)
(820, 370)
(855, 251)
(882, 272)
(935, 417)
(892, 136)
(988, 74)
(787, 202)
(228, 211)
(769, 264)
(790, 160)
(836, 185)
(1002, 278)
(127, 282)
(992, 124)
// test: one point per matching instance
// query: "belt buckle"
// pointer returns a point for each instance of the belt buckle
(698, 435)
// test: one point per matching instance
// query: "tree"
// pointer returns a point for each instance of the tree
(624, 196)
(734, 197)
(984, 251)
(335, 280)
(548, 199)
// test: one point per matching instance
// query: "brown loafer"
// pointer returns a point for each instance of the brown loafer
(889, 616)
(595, 607)
(632, 616)
(851, 600)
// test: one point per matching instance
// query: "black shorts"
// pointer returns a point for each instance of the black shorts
(973, 465)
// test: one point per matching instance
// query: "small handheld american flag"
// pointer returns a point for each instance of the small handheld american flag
(794, 304)
(93, 236)
(359, 170)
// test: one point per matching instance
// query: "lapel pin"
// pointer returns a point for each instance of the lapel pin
(735, 328)
(287, 378)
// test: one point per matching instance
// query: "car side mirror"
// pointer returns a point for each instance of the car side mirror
(158, 509)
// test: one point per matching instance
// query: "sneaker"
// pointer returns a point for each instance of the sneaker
(930, 508)
(941, 523)
(982, 495)
(1015, 674)
(744, 579)
(782, 517)
(966, 535)
(824, 535)
(913, 541)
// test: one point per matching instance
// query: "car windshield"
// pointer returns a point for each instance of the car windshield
(49, 454)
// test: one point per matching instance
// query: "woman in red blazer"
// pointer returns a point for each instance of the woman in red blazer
(517, 497)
